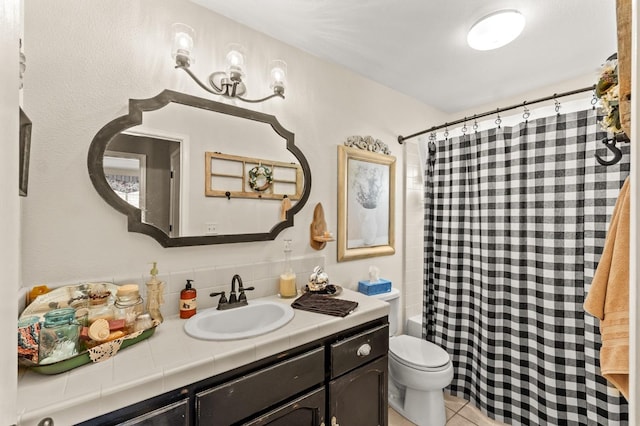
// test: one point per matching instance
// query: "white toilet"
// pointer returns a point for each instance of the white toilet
(418, 370)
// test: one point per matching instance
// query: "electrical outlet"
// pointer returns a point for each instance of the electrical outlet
(211, 228)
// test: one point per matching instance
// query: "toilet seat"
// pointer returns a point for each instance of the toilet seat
(418, 354)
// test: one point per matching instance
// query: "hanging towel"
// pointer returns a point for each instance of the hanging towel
(608, 297)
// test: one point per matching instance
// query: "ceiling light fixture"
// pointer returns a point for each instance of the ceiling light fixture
(496, 30)
(226, 83)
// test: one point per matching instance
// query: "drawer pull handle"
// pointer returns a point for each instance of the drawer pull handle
(364, 350)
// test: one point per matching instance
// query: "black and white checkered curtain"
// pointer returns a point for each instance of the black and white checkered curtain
(515, 222)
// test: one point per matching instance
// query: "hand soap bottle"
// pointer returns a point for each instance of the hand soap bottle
(155, 297)
(188, 301)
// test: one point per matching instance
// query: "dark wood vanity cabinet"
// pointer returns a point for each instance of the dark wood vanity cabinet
(360, 397)
(234, 401)
(308, 410)
(174, 414)
(338, 380)
(358, 386)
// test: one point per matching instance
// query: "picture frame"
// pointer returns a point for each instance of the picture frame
(25, 149)
(366, 204)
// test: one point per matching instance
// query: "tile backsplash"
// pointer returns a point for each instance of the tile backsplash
(264, 276)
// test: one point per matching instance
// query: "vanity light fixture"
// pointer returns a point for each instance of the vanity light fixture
(227, 83)
(496, 30)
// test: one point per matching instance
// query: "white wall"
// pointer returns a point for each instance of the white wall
(10, 206)
(86, 59)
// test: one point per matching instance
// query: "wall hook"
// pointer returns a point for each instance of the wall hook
(611, 146)
(228, 194)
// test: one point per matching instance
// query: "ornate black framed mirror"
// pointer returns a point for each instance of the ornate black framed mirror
(183, 169)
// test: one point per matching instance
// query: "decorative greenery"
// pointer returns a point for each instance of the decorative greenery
(260, 178)
(607, 90)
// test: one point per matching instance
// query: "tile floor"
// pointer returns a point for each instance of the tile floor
(459, 413)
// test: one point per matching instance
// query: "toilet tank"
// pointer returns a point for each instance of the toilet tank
(393, 299)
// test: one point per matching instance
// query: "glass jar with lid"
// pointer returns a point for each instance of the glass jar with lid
(58, 336)
(128, 306)
(100, 303)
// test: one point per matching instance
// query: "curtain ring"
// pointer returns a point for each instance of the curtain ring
(475, 126)
(594, 100)
(432, 137)
(498, 120)
(464, 127)
(557, 103)
(446, 132)
(526, 114)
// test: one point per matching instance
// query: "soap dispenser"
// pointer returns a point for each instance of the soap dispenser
(188, 301)
(155, 296)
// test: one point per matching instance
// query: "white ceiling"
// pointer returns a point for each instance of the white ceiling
(418, 47)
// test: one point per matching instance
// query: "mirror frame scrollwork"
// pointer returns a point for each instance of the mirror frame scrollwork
(134, 215)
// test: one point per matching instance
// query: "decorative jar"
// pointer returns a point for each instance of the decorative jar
(59, 336)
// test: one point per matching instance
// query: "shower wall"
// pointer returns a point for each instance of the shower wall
(414, 231)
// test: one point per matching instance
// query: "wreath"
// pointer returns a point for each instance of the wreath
(607, 90)
(260, 178)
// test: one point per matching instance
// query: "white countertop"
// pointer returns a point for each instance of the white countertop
(168, 360)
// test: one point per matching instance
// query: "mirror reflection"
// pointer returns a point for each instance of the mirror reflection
(193, 171)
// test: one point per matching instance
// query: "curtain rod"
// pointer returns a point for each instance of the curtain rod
(401, 138)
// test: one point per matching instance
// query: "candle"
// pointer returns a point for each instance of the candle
(288, 285)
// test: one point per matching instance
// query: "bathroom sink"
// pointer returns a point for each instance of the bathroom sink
(258, 317)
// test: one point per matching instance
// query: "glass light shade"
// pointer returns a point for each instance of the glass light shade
(235, 59)
(496, 30)
(278, 74)
(183, 40)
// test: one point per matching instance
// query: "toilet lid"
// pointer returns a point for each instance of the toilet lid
(417, 353)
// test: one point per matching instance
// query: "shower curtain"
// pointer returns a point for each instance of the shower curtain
(515, 222)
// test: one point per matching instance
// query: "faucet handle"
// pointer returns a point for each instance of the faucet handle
(243, 297)
(223, 298)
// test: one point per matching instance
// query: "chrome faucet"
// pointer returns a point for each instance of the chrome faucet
(234, 300)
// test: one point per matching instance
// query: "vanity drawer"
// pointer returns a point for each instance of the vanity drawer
(258, 391)
(360, 349)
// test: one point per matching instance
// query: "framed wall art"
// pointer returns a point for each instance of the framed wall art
(366, 201)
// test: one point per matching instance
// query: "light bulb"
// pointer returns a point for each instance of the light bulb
(235, 61)
(278, 75)
(183, 40)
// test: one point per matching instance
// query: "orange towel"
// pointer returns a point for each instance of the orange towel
(608, 297)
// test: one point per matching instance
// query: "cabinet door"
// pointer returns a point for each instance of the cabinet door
(359, 398)
(308, 410)
(233, 402)
(172, 415)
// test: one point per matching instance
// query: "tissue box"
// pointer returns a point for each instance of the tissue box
(375, 287)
